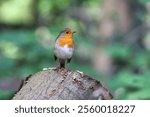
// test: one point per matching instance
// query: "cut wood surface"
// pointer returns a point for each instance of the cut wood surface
(61, 84)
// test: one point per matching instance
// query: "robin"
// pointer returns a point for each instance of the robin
(64, 47)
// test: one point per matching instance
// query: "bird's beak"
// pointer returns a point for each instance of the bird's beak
(74, 32)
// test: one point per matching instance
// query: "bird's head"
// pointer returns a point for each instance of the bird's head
(67, 33)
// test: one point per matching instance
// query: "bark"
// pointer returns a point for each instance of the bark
(61, 84)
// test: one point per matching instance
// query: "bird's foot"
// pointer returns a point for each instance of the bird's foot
(64, 72)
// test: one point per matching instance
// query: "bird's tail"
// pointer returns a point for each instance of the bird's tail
(62, 63)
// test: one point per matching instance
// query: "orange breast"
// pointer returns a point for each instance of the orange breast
(66, 40)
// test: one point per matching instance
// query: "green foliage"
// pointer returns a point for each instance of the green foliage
(46, 7)
(135, 86)
(118, 51)
(141, 59)
(21, 11)
(6, 94)
(131, 81)
(21, 49)
(144, 1)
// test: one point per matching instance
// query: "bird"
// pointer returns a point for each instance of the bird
(64, 47)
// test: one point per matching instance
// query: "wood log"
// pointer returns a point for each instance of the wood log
(61, 84)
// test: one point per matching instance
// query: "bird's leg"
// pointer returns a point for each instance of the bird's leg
(62, 66)
(62, 63)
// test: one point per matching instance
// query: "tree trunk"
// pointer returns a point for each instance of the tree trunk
(61, 84)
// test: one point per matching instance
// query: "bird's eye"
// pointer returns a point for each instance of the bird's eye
(67, 32)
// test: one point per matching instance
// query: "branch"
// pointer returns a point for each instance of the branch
(61, 85)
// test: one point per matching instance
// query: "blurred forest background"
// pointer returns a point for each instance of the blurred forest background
(112, 42)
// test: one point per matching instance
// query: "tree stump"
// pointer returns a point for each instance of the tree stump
(61, 84)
